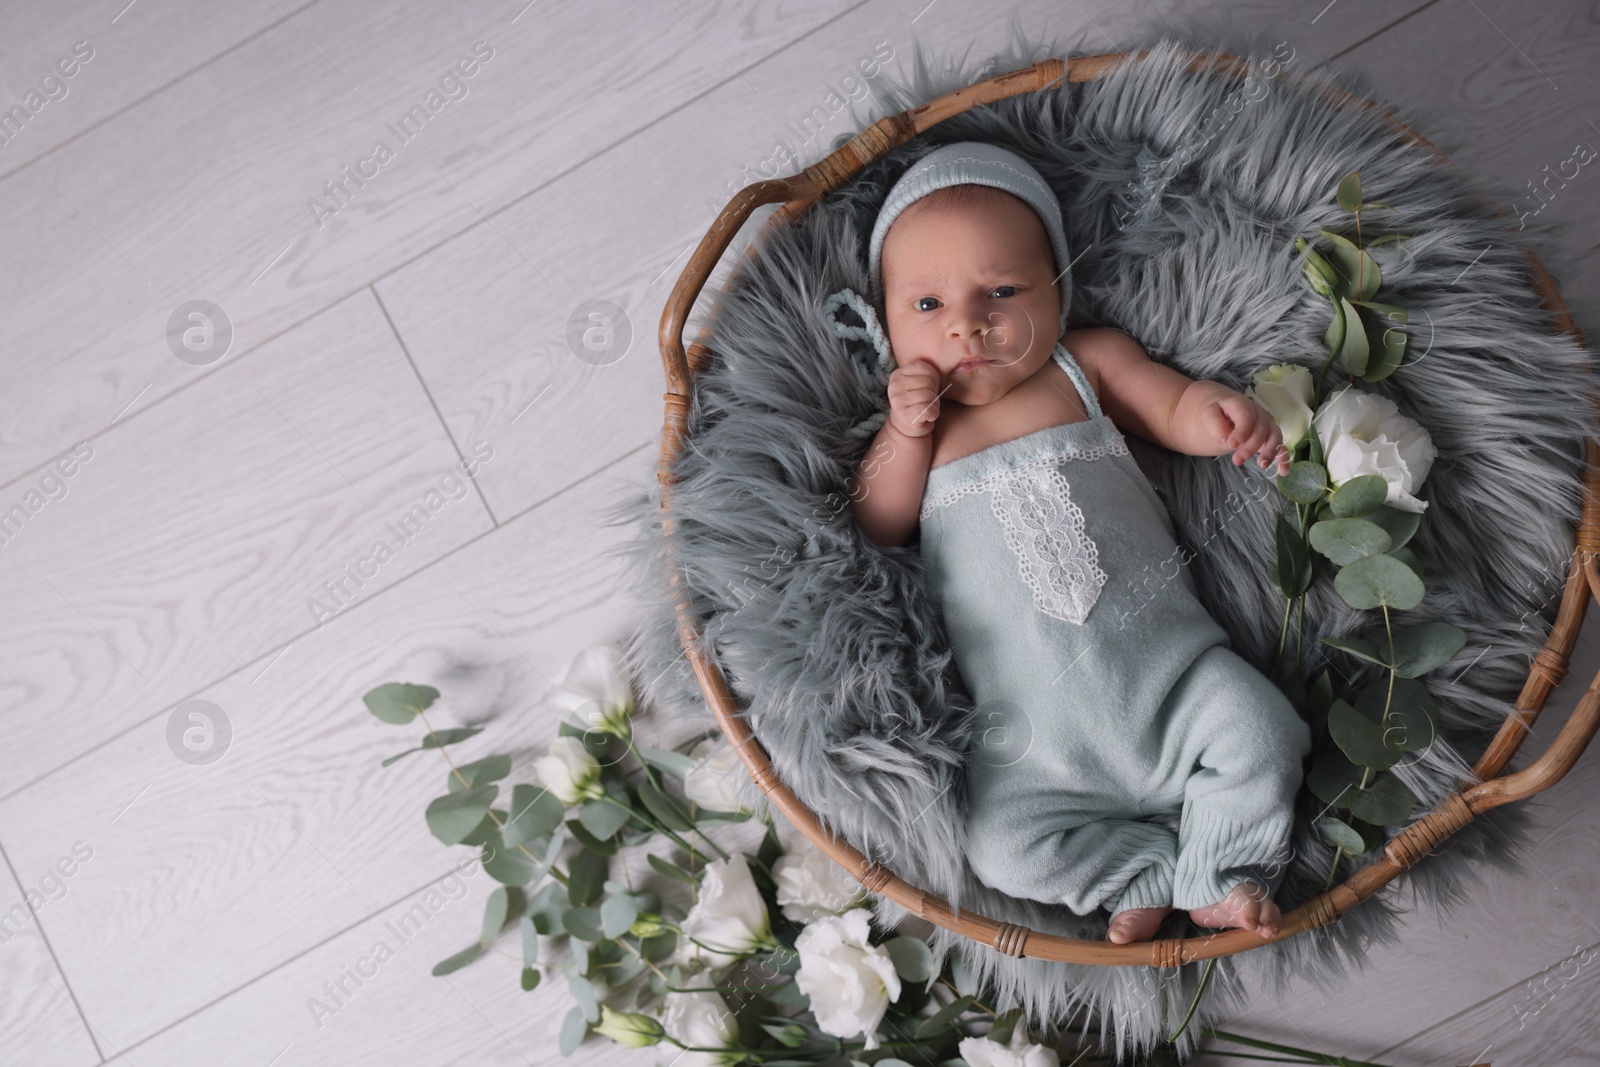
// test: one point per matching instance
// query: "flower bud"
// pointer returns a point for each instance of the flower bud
(629, 1028)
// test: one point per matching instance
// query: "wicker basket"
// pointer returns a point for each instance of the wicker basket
(799, 191)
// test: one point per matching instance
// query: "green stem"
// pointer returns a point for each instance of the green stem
(1270, 1046)
(1205, 976)
(1333, 868)
(1300, 636)
(655, 824)
(650, 776)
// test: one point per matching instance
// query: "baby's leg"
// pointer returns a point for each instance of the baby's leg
(1238, 807)
(1112, 862)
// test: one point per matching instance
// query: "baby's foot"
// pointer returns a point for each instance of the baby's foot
(1136, 924)
(1248, 907)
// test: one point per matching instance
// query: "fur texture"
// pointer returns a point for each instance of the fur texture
(832, 644)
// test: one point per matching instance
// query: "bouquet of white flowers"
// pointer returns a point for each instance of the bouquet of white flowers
(776, 960)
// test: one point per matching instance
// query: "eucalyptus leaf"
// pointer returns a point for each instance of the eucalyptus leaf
(1332, 777)
(585, 875)
(617, 914)
(603, 846)
(584, 923)
(495, 908)
(509, 866)
(674, 763)
(438, 739)
(1359, 496)
(1402, 525)
(455, 815)
(1005, 1025)
(1359, 276)
(399, 702)
(1358, 737)
(530, 979)
(480, 772)
(1385, 802)
(666, 810)
(530, 940)
(1349, 194)
(1353, 348)
(913, 959)
(1341, 834)
(625, 969)
(1378, 580)
(944, 1018)
(1386, 340)
(1413, 715)
(1305, 483)
(544, 910)
(460, 959)
(603, 819)
(670, 869)
(1346, 540)
(486, 831)
(574, 1028)
(1409, 558)
(1294, 568)
(1360, 647)
(552, 850)
(1420, 649)
(535, 812)
(656, 949)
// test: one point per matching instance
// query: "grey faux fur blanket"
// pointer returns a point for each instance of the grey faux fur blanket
(1184, 204)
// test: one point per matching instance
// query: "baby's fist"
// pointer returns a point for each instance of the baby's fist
(914, 398)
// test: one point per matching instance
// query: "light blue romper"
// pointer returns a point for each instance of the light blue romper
(1107, 703)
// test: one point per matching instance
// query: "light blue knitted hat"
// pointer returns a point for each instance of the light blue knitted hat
(975, 163)
(961, 163)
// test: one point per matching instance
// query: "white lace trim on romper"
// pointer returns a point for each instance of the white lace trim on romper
(1044, 528)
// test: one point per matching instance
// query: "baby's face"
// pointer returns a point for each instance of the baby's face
(970, 287)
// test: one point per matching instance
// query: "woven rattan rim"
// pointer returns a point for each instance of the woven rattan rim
(797, 192)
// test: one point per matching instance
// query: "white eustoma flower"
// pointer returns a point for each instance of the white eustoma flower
(569, 771)
(810, 885)
(1363, 433)
(730, 919)
(698, 1020)
(981, 1052)
(712, 782)
(595, 691)
(850, 980)
(1285, 390)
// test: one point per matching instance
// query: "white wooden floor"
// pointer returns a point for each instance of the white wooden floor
(422, 323)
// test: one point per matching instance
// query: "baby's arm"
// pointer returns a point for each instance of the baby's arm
(1196, 417)
(886, 492)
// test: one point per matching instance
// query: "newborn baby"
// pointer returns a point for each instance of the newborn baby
(1105, 719)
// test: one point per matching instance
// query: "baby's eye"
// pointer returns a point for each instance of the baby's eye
(923, 301)
(1005, 291)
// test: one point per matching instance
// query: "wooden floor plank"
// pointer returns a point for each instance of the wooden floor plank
(73, 65)
(224, 871)
(37, 1010)
(207, 190)
(187, 546)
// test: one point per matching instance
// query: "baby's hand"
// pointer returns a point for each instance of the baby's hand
(1245, 426)
(914, 398)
